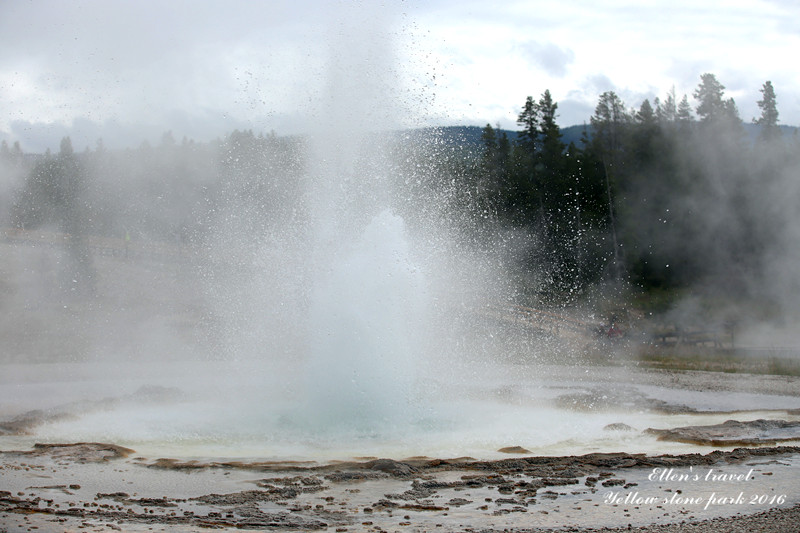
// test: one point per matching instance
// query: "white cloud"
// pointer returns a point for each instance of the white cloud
(553, 59)
(224, 64)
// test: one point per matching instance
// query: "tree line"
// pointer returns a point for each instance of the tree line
(168, 192)
(669, 195)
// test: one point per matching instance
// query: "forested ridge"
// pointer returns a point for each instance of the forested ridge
(676, 194)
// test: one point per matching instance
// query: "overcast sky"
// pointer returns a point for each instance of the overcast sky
(128, 71)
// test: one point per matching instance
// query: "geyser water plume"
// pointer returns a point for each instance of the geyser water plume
(344, 269)
(364, 290)
(366, 322)
(328, 291)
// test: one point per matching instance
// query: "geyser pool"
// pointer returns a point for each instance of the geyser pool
(185, 409)
(353, 326)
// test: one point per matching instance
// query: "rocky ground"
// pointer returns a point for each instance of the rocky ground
(101, 487)
(106, 487)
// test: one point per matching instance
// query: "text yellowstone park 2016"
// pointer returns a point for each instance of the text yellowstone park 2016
(701, 481)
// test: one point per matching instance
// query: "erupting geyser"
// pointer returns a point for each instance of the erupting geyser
(347, 309)
(345, 268)
(366, 321)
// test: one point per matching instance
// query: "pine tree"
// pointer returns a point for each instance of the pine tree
(731, 111)
(712, 107)
(489, 140)
(492, 178)
(684, 112)
(709, 95)
(645, 131)
(490, 158)
(504, 149)
(524, 197)
(769, 114)
(529, 120)
(550, 155)
(667, 112)
(608, 122)
(551, 148)
(645, 115)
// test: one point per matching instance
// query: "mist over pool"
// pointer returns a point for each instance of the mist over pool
(370, 289)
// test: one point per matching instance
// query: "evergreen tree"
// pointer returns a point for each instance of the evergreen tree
(523, 198)
(769, 114)
(528, 118)
(731, 112)
(609, 121)
(503, 151)
(70, 186)
(496, 150)
(709, 96)
(489, 140)
(667, 112)
(712, 107)
(551, 150)
(684, 112)
(55, 193)
(550, 161)
(493, 167)
(645, 115)
(644, 136)
(547, 108)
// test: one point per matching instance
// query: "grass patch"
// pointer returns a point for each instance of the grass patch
(717, 360)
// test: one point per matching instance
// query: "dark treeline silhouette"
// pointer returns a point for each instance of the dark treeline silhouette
(672, 195)
(665, 196)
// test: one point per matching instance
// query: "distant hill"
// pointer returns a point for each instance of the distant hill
(469, 136)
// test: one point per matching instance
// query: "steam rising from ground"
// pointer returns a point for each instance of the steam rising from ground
(721, 212)
(352, 298)
(322, 296)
